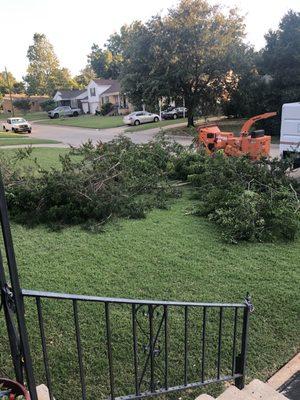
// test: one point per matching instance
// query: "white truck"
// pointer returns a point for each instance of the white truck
(290, 132)
(64, 111)
(17, 125)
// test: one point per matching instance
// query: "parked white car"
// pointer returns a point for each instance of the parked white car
(17, 125)
(140, 117)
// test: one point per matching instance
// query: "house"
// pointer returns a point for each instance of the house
(35, 102)
(101, 91)
(98, 92)
(72, 98)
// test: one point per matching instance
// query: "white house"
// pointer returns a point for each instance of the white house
(101, 91)
(98, 92)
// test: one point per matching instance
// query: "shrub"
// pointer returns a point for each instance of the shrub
(22, 104)
(106, 108)
(48, 105)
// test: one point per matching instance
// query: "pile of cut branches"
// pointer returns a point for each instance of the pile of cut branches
(256, 201)
(93, 183)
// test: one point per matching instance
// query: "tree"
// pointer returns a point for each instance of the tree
(6, 82)
(186, 54)
(22, 104)
(281, 60)
(104, 62)
(85, 76)
(62, 79)
(44, 75)
(18, 87)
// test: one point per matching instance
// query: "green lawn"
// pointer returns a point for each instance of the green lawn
(9, 139)
(33, 116)
(170, 255)
(87, 121)
(46, 157)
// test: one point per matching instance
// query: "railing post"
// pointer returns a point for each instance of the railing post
(241, 359)
(14, 340)
(17, 294)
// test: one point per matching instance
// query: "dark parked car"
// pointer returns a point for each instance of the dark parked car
(174, 113)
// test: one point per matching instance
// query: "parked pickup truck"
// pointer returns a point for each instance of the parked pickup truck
(16, 125)
(64, 111)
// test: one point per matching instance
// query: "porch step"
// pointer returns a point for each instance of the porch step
(233, 393)
(256, 390)
(42, 392)
(261, 391)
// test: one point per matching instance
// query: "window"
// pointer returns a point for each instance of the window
(93, 91)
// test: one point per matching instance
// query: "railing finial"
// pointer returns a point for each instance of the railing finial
(248, 302)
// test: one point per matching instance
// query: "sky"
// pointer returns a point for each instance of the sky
(72, 26)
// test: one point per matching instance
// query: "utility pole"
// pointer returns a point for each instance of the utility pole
(9, 88)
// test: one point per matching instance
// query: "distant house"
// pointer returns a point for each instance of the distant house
(72, 98)
(101, 91)
(98, 92)
(35, 102)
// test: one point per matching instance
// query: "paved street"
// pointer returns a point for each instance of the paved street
(74, 136)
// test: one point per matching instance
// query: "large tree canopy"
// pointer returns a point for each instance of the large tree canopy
(188, 54)
(281, 59)
(44, 74)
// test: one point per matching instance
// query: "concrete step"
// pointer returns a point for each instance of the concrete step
(205, 397)
(262, 391)
(233, 393)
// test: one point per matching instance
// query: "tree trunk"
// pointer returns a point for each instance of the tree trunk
(190, 117)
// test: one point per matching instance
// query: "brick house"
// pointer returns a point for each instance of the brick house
(35, 102)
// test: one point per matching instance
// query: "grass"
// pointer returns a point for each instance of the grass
(10, 139)
(32, 116)
(158, 124)
(87, 121)
(47, 157)
(170, 255)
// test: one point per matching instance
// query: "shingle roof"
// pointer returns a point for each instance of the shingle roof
(71, 94)
(115, 86)
(24, 96)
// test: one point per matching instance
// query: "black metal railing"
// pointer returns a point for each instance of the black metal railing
(156, 329)
(171, 342)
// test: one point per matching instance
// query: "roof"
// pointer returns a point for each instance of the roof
(115, 86)
(16, 96)
(71, 94)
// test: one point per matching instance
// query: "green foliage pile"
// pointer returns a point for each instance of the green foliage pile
(94, 183)
(255, 201)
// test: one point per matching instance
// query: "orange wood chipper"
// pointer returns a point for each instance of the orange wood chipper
(255, 144)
